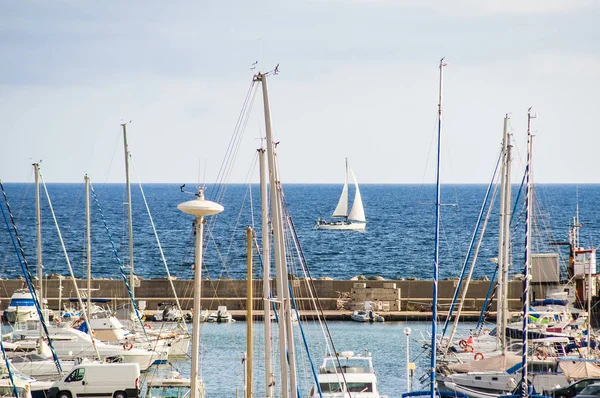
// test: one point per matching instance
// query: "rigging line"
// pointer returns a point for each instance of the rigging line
(235, 136)
(112, 158)
(18, 246)
(310, 281)
(116, 253)
(162, 253)
(433, 138)
(62, 243)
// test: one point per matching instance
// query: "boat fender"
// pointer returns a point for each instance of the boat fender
(128, 346)
(469, 348)
(462, 343)
(478, 356)
(147, 326)
(542, 355)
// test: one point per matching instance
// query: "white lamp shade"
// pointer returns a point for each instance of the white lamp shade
(200, 207)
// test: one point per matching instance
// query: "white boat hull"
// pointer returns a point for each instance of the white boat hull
(342, 226)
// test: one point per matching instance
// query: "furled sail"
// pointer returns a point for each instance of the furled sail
(357, 213)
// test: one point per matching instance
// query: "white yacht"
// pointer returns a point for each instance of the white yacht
(71, 343)
(347, 375)
(221, 316)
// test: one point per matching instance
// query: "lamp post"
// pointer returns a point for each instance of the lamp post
(199, 208)
(407, 333)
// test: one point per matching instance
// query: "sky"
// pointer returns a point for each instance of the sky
(358, 79)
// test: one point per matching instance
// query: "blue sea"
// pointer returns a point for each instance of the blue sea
(397, 243)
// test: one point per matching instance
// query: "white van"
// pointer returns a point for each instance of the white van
(116, 380)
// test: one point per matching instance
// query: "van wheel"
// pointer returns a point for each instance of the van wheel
(118, 394)
(64, 394)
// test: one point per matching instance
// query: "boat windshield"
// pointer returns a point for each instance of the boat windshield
(347, 365)
(168, 392)
(360, 387)
(331, 387)
(21, 302)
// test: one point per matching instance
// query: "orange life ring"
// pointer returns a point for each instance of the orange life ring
(469, 348)
(128, 345)
(478, 356)
(77, 323)
(486, 331)
(147, 326)
(542, 355)
(462, 343)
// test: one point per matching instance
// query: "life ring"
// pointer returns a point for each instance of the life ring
(469, 348)
(147, 326)
(462, 343)
(542, 355)
(486, 331)
(57, 320)
(128, 346)
(77, 323)
(478, 356)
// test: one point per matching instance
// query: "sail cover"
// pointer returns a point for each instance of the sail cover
(498, 363)
(357, 213)
(575, 370)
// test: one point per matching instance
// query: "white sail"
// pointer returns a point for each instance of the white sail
(357, 213)
(342, 207)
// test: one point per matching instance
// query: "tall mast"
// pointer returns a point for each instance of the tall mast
(38, 225)
(88, 245)
(249, 347)
(280, 267)
(129, 213)
(506, 246)
(266, 255)
(437, 239)
(528, 210)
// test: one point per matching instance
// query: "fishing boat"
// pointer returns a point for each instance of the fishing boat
(221, 316)
(347, 375)
(353, 221)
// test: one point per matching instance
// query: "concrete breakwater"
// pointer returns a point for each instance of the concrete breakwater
(399, 296)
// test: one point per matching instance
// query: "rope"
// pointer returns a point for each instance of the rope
(116, 253)
(16, 239)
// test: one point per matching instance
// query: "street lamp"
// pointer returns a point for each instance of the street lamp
(199, 208)
(407, 333)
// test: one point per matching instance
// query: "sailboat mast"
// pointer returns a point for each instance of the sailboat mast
(528, 205)
(38, 225)
(501, 286)
(249, 347)
(129, 213)
(437, 240)
(506, 246)
(88, 245)
(278, 242)
(266, 255)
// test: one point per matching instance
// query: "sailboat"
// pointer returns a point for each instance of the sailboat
(353, 221)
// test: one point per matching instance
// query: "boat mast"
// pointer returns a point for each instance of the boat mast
(506, 246)
(129, 213)
(528, 205)
(437, 239)
(249, 348)
(286, 352)
(266, 255)
(501, 286)
(40, 267)
(88, 245)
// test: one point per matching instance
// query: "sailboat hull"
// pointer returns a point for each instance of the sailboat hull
(342, 225)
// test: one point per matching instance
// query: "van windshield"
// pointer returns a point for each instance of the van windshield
(76, 375)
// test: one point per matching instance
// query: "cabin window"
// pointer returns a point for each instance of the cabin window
(331, 387)
(76, 375)
(494, 379)
(477, 377)
(360, 387)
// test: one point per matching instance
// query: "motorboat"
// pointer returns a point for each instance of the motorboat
(366, 316)
(21, 307)
(221, 316)
(347, 374)
(70, 343)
